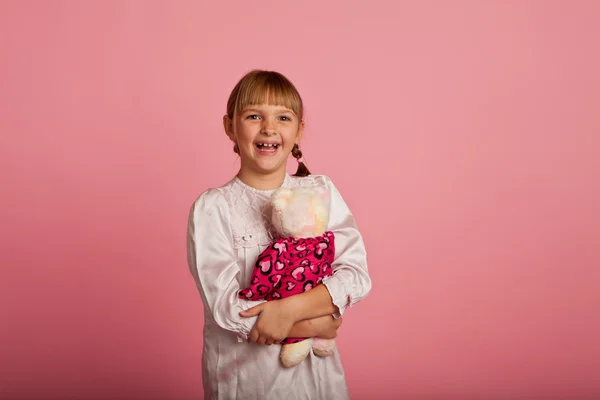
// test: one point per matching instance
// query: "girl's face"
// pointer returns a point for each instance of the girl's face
(265, 135)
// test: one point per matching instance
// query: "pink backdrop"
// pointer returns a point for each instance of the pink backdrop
(463, 134)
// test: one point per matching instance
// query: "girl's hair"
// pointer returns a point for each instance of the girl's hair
(260, 87)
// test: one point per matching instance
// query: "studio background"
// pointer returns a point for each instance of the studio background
(464, 135)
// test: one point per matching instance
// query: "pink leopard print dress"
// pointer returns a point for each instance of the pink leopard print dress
(290, 266)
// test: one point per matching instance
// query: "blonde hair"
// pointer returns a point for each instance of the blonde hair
(268, 87)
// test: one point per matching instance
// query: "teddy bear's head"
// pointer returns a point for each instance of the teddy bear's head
(299, 212)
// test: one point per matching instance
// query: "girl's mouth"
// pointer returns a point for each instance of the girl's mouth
(267, 148)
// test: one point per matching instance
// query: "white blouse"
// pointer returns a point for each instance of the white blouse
(229, 227)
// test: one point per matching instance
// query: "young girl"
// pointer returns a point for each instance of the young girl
(229, 227)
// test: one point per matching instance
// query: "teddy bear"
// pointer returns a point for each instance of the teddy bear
(297, 260)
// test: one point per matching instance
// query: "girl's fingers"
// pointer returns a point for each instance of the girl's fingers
(254, 335)
(254, 311)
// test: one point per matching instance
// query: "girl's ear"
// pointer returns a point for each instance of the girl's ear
(300, 131)
(228, 126)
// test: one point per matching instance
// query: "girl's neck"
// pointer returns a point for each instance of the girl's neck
(270, 181)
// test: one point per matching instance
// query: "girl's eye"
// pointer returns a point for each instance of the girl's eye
(285, 118)
(253, 116)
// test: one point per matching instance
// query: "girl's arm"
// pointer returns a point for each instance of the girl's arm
(349, 284)
(277, 318)
(211, 260)
(324, 327)
(315, 303)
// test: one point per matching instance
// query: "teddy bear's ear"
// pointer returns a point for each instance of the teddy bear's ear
(280, 197)
(324, 196)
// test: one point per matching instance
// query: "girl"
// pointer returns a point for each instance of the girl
(229, 227)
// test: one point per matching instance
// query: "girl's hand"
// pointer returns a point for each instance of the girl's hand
(274, 322)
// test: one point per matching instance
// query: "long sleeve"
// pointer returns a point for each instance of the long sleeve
(212, 262)
(350, 282)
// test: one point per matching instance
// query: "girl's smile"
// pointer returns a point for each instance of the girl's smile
(266, 148)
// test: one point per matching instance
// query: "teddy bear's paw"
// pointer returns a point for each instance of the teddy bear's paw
(293, 354)
(322, 353)
(322, 347)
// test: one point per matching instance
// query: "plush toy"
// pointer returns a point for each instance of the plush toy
(296, 261)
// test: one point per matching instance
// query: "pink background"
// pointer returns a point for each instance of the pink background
(463, 134)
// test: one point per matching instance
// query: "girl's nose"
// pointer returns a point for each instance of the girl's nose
(268, 127)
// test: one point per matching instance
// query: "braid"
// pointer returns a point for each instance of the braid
(302, 169)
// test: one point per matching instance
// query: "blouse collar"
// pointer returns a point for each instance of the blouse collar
(286, 183)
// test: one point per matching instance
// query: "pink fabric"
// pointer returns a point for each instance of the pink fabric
(291, 266)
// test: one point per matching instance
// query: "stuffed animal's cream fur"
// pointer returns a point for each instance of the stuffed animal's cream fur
(301, 213)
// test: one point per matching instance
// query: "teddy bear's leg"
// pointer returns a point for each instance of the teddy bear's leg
(323, 347)
(292, 354)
